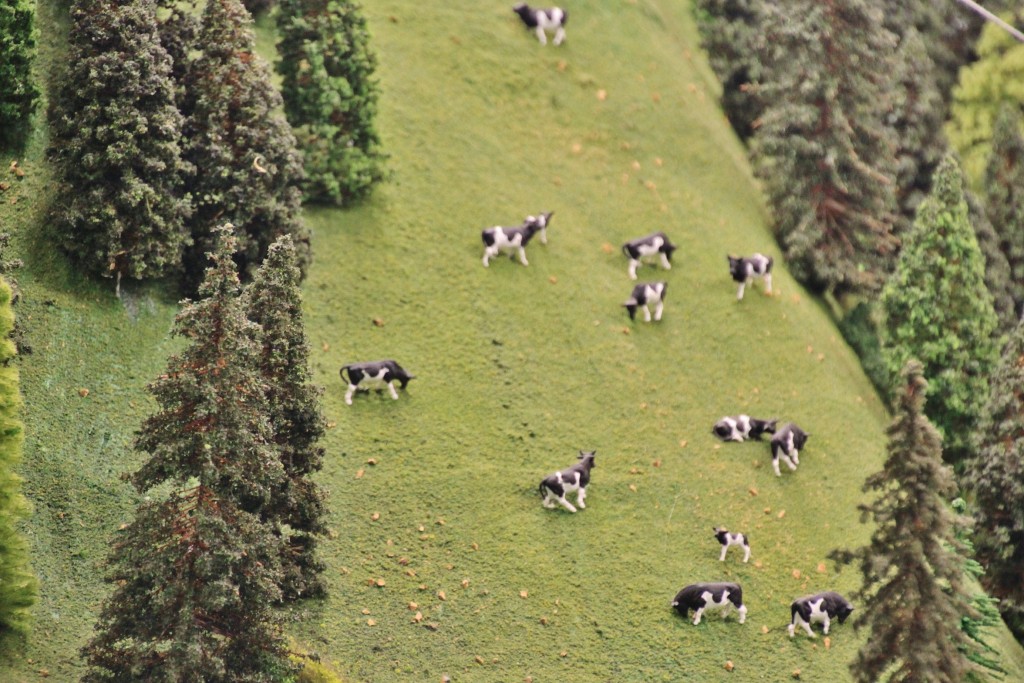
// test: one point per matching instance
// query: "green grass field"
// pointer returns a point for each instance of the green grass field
(435, 495)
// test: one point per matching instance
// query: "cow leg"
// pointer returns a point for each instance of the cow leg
(543, 235)
(742, 609)
(826, 624)
(647, 314)
(746, 553)
(580, 496)
(633, 263)
(349, 393)
(522, 256)
(807, 627)
(541, 37)
(658, 309)
(697, 615)
(789, 463)
(721, 558)
(796, 456)
(549, 500)
(559, 35)
(566, 504)
(665, 263)
(775, 466)
(739, 294)
(488, 254)
(767, 283)
(391, 390)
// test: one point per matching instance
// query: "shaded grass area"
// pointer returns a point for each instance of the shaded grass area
(518, 368)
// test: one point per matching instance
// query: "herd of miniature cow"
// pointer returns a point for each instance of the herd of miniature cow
(786, 441)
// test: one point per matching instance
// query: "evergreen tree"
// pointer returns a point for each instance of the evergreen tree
(119, 205)
(257, 6)
(938, 310)
(996, 478)
(18, 92)
(823, 152)
(731, 32)
(274, 302)
(1004, 197)
(985, 86)
(913, 595)
(179, 32)
(997, 268)
(248, 170)
(18, 587)
(196, 573)
(330, 97)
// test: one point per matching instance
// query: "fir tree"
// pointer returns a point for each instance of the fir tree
(996, 478)
(731, 32)
(257, 6)
(197, 572)
(179, 32)
(937, 309)
(913, 596)
(248, 170)
(274, 302)
(330, 97)
(18, 587)
(985, 86)
(997, 267)
(19, 95)
(1004, 197)
(823, 152)
(119, 205)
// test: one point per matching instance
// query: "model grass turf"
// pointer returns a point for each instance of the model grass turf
(433, 498)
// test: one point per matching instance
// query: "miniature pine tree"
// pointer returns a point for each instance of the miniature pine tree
(330, 97)
(1004, 197)
(19, 95)
(248, 171)
(822, 150)
(18, 586)
(996, 477)
(938, 310)
(119, 207)
(197, 572)
(913, 595)
(274, 302)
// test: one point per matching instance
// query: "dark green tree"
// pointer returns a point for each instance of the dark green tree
(257, 6)
(274, 302)
(731, 34)
(938, 310)
(823, 151)
(178, 28)
(1004, 196)
(18, 586)
(997, 267)
(330, 97)
(996, 479)
(198, 571)
(19, 95)
(913, 595)
(119, 207)
(248, 170)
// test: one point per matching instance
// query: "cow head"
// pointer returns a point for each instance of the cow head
(404, 377)
(720, 534)
(736, 268)
(723, 428)
(631, 305)
(587, 458)
(762, 426)
(668, 249)
(844, 611)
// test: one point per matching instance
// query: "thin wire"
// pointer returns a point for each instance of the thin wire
(993, 18)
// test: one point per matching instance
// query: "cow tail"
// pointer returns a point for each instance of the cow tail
(793, 609)
(771, 262)
(625, 250)
(344, 372)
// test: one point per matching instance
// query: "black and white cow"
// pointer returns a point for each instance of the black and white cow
(727, 539)
(821, 608)
(499, 239)
(657, 243)
(645, 294)
(702, 596)
(554, 487)
(786, 444)
(375, 374)
(742, 427)
(541, 20)
(745, 269)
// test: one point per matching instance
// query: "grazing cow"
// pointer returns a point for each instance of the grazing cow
(374, 375)
(786, 444)
(744, 270)
(542, 20)
(727, 539)
(643, 247)
(645, 294)
(499, 239)
(822, 607)
(702, 596)
(742, 427)
(575, 478)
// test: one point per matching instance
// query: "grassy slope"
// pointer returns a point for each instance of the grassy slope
(518, 368)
